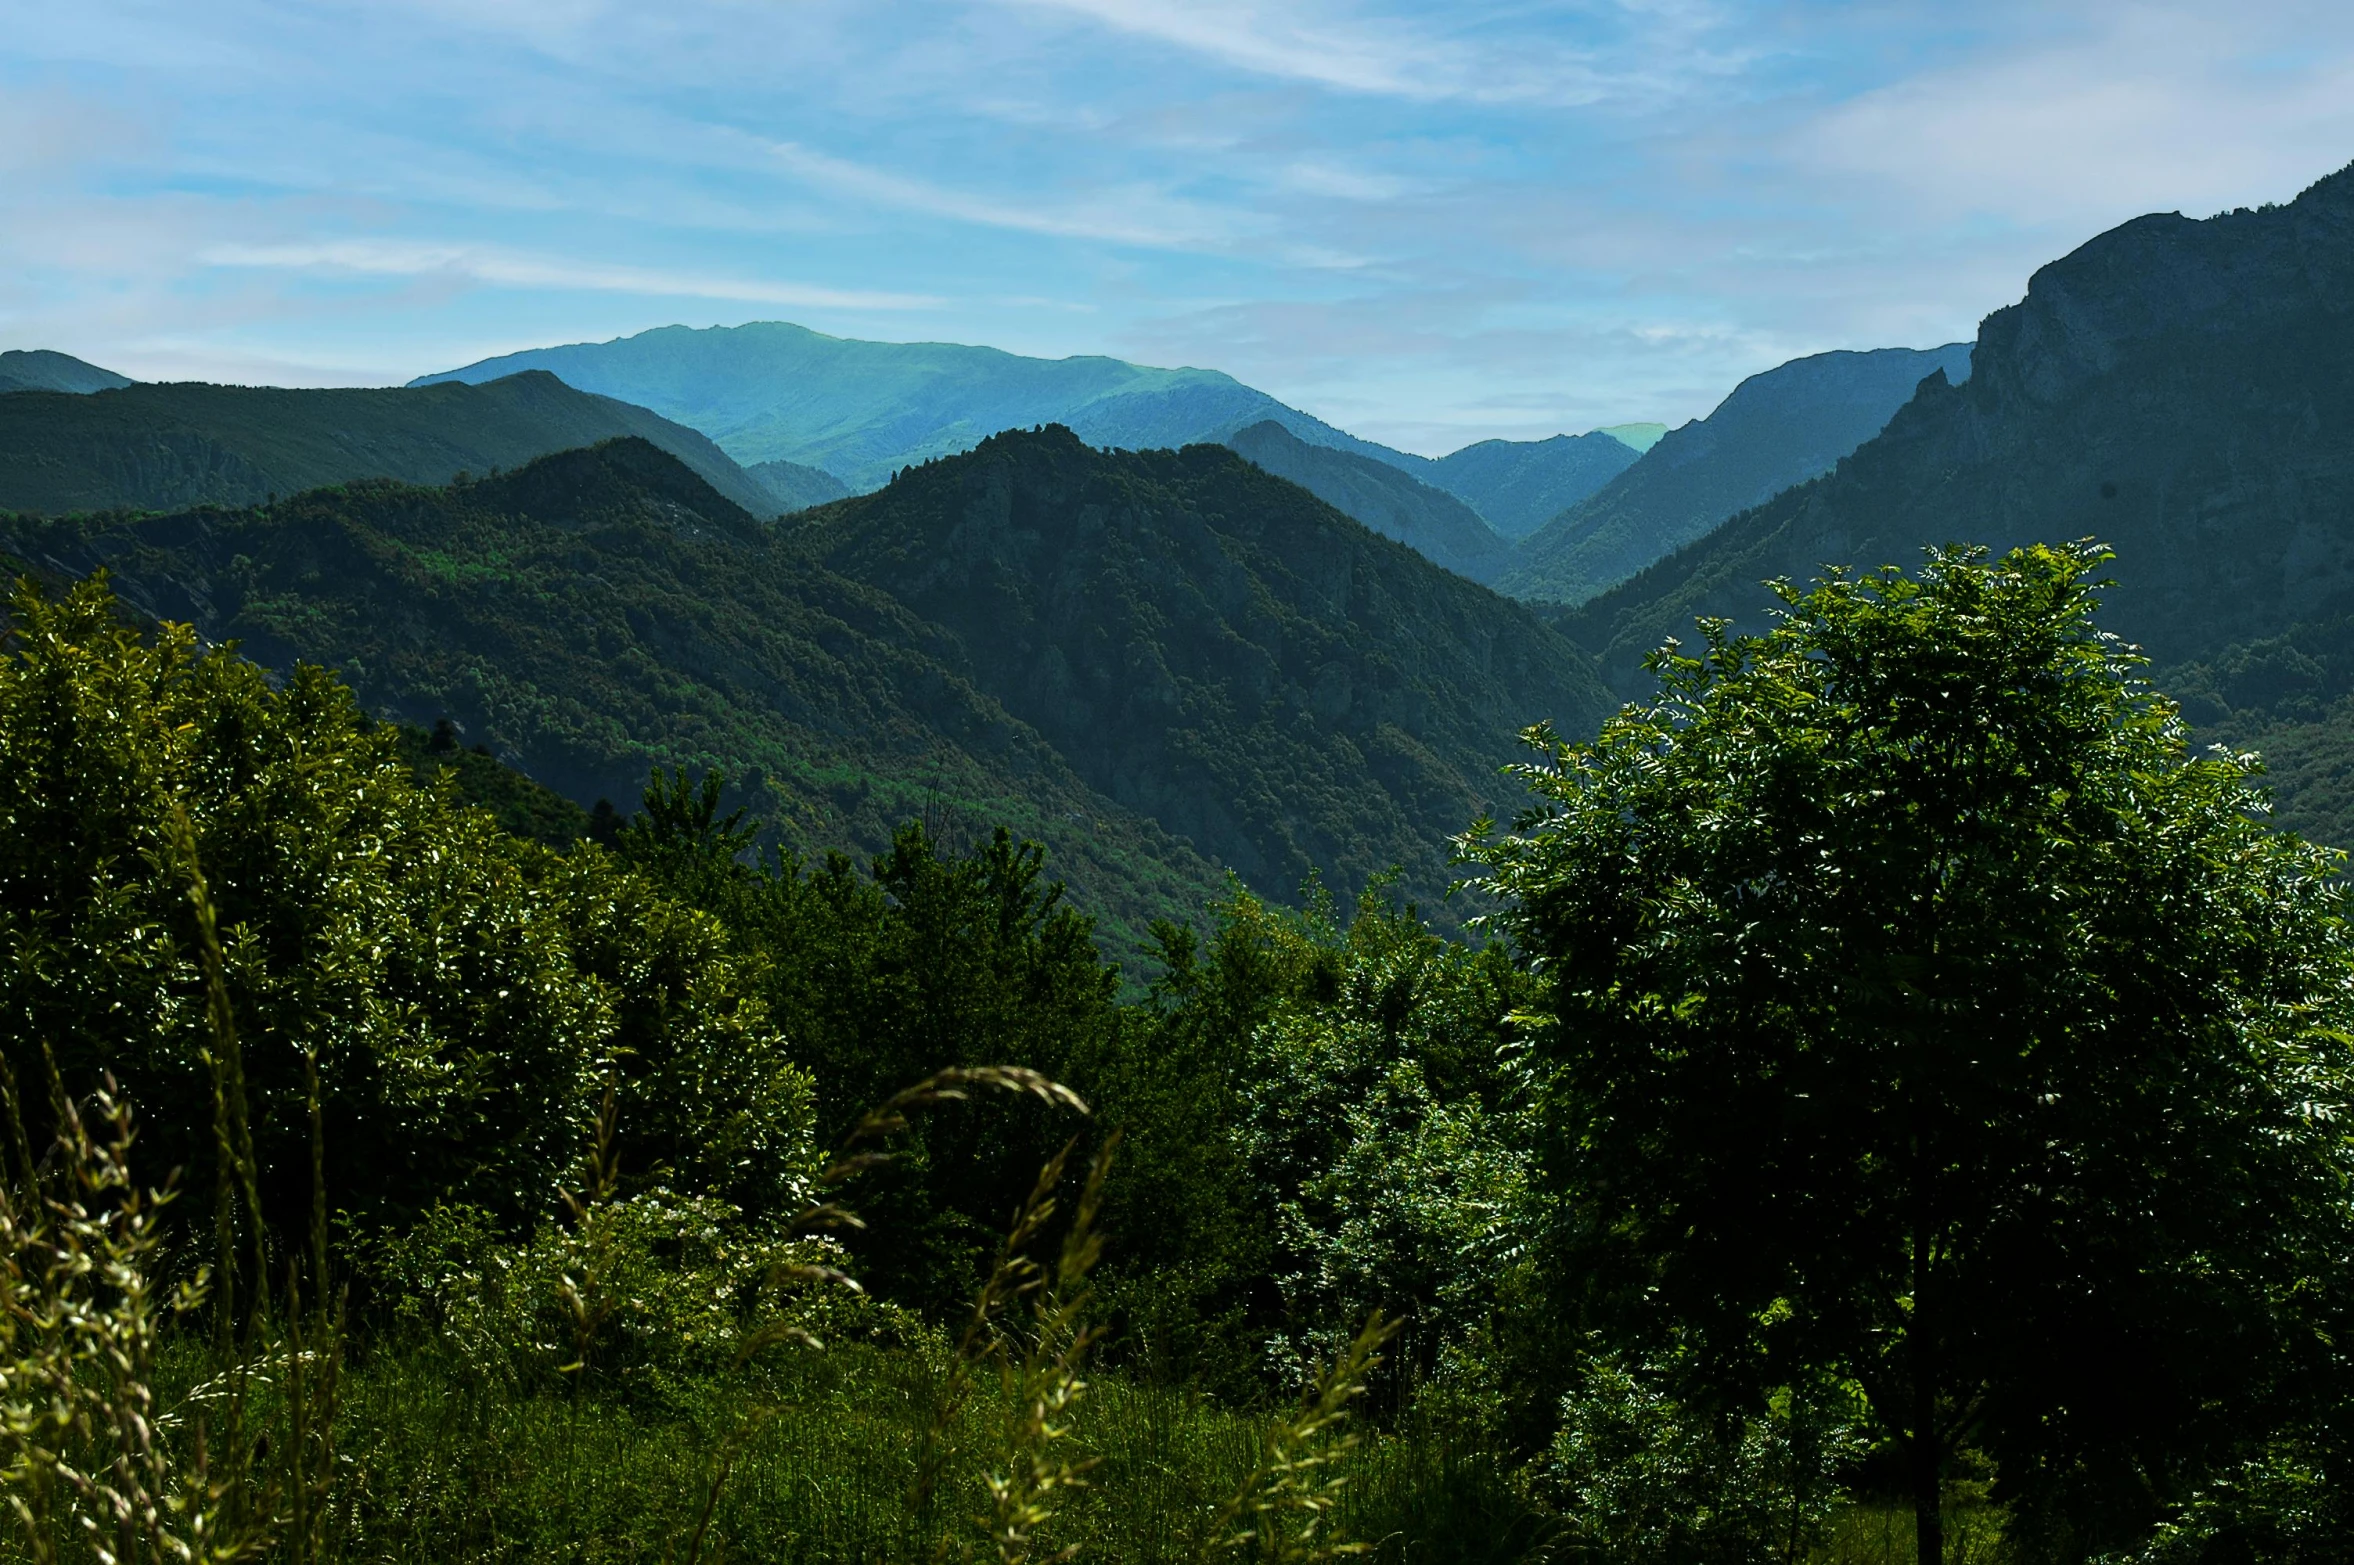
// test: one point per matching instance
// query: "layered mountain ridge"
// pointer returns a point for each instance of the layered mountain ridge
(1430, 521)
(159, 445)
(1162, 665)
(2175, 388)
(1778, 428)
(770, 391)
(1518, 486)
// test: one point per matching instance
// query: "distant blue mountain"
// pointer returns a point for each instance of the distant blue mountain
(1520, 485)
(39, 369)
(1778, 428)
(1428, 520)
(770, 391)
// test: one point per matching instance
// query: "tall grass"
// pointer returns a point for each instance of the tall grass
(130, 1442)
(448, 1469)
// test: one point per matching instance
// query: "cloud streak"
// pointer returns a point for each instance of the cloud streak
(403, 258)
(1127, 216)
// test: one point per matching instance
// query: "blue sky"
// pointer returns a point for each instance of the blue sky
(1426, 223)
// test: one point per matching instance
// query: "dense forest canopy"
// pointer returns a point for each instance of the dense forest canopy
(1897, 1072)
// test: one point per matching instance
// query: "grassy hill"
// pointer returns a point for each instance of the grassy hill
(2175, 388)
(1218, 650)
(161, 446)
(39, 369)
(860, 411)
(1433, 523)
(1777, 428)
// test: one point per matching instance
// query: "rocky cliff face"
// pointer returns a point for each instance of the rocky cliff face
(2178, 389)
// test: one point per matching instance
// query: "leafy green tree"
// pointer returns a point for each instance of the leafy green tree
(469, 997)
(1921, 1013)
(882, 974)
(1376, 1127)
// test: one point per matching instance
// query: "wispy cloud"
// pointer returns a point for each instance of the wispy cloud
(1427, 219)
(400, 258)
(1127, 215)
(2162, 107)
(1631, 50)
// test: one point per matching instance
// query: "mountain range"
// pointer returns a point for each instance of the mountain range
(39, 369)
(2175, 388)
(1432, 522)
(117, 445)
(859, 411)
(159, 446)
(1258, 653)
(1776, 429)
(772, 391)
(1163, 665)
(1518, 486)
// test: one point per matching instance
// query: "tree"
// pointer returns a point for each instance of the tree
(468, 998)
(1923, 1014)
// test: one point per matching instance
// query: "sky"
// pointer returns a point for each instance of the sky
(1426, 223)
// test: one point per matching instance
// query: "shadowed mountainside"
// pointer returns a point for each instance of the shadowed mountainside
(158, 446)
(1520, 485)
(1777, 428)
(2176, 388)
(1429, 521)
(1217, 649)
(602, 611)
(1158, 664)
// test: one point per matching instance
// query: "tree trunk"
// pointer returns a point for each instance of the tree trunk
(1928, 1515)
(1926, 1450)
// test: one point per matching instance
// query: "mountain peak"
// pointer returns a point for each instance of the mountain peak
(42, 369)
(859, 411)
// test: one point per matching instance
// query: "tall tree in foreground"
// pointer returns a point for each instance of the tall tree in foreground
(1921, 1013)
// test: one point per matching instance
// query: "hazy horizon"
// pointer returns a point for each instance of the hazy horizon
(1427, 225)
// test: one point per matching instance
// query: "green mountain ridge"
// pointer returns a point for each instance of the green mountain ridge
(797, 488)
(159, 446)
(769, 391)
(42, 369)
(1221, 651)
(1777, 428)
(1430, 521)
(1520, 485)
(1195, 664)
(601, 611)
(2175, 388)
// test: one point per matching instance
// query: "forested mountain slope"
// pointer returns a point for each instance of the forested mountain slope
(1158, 664)
(796, 488)
(39, 369)
(1218, 650)
(601, 611)
(2176, 388)
(157, 446)
(771, 390)
(1520, 485)
(1432, 522)
(1777, 428)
